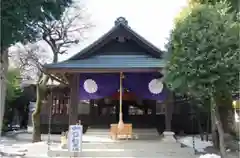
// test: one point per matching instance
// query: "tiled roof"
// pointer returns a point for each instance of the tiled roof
(111, 61)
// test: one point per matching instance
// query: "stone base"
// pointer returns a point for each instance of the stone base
(169, 137)
(63, 142)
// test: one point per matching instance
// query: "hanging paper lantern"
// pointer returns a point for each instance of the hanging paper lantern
(90, 86)
(155, 86)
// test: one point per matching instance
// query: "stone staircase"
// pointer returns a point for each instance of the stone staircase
(148, 144)
(143, 134)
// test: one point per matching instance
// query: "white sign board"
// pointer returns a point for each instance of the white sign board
(75, 138)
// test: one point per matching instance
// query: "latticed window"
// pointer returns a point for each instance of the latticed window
(60, 104)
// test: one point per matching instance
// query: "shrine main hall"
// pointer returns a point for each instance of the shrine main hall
(117, 79)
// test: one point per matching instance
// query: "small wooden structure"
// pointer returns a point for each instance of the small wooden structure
(125, 133)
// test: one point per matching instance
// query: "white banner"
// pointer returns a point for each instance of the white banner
(75, 138)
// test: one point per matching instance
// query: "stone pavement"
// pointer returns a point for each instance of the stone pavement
(98, 144)
(123, 149)
(153, 149)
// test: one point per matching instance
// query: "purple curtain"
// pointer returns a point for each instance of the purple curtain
(95, 86)
(139, 84)
(105, 85)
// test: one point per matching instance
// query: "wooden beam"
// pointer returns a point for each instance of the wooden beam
(74, 98)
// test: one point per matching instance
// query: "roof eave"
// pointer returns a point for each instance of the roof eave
(101, 70)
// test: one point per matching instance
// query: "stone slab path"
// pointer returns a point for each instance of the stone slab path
(100, 145)
(131, 149)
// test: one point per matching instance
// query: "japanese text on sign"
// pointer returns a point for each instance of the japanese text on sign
(75, 138)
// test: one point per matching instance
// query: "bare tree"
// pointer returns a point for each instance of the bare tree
(59, 36)
(29, 59)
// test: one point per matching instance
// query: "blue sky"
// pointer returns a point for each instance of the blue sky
(153, 19)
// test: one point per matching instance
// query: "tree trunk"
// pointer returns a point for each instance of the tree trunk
(214, 130)
(208, 123)
(41, 92)
(36, 136)
(74, 100)
(226, 111)
(219, 129)
(3, 86)
(214, 134)
(41, 89)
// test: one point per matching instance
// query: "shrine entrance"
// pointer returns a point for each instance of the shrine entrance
(141, 113)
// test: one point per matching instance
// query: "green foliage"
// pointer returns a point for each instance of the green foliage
(234, 4)
(13, 84)
(19, 16)
(13, 92)
(204, 49)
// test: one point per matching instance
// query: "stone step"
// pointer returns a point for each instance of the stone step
(148, 130)
(148, 147)
(125, 153)
(151, 132)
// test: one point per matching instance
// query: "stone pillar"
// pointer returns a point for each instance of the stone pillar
(168, 135)
(74, 99)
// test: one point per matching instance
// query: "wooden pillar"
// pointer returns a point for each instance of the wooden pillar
(50, 110)
(169, 107)
(74, 98)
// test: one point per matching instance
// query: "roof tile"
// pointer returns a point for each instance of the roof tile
(112, 61)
